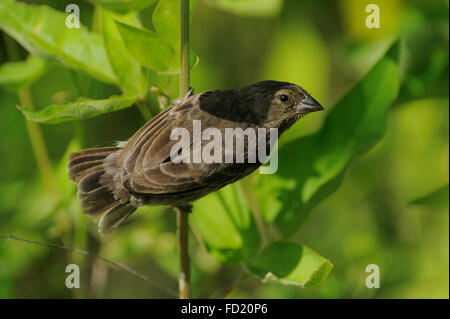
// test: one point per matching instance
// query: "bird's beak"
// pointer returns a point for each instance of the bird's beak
(308, 105)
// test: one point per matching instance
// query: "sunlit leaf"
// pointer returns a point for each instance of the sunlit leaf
(81, 109)
(146, 47)
(123, 6)
(226, 225)
(42, 31)
(249, 7)
(14, 75)
(290, 264)
(127, 69)
(354, 125)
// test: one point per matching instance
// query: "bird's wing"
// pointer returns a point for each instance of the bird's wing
(145, 160)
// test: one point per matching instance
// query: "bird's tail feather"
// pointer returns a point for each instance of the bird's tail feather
(87, 168)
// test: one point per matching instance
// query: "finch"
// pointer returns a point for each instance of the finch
(114, 181)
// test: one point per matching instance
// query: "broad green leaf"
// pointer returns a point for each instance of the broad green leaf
(166, 20)
(226, 225)
(290, 264)
(249, 7)
(352, 127)
(123, 6)
(81, 109)
(127, 69)
(42, 31)
(14, 75)
(146, 47)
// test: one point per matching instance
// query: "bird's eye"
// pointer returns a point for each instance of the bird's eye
(283, 98)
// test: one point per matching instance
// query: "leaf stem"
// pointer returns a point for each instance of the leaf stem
(182, 215)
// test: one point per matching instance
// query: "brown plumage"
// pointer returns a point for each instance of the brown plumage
(114, 181)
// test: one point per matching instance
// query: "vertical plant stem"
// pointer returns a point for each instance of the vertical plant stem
(182, 214)
(36, 138)
(38, 144)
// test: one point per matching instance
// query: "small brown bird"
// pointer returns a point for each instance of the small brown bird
(114, 181)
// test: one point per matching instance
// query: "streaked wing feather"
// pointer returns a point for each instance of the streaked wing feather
(146, 158)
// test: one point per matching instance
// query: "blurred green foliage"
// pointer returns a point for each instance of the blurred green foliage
(367, 181)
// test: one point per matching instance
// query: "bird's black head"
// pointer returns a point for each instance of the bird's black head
(277, 104)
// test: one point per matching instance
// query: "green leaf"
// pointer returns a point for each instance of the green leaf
(226, 225)
(128, 70)
(146, 47)
(352, 127)
(14, 75)
(123, 6)
(290, 264)
(81, 109)
(249, 7)
(42, 31)
(166, 20)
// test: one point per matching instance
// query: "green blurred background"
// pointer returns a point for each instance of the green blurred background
(391, 209)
